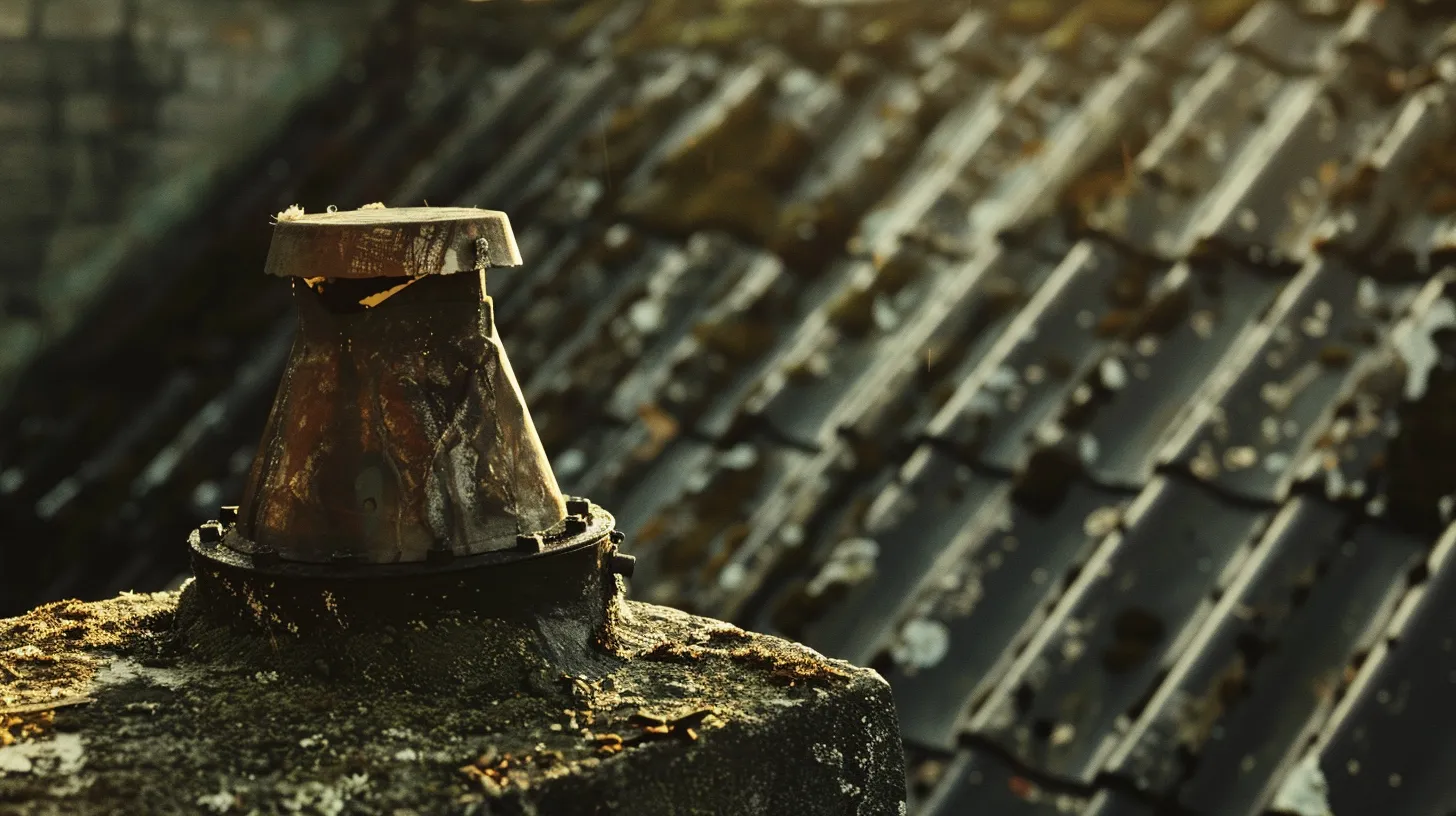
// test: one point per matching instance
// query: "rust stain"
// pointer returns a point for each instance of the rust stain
(397, 432)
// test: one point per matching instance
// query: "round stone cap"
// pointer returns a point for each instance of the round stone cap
(391, 242)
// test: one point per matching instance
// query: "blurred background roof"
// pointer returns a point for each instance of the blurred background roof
(1083, 366)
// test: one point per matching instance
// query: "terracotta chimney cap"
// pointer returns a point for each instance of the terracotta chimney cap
(391, 242)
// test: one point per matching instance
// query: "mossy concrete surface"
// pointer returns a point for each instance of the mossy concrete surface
(118, 707)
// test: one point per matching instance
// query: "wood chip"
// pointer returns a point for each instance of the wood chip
(31, 708)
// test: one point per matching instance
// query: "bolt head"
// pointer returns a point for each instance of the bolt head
(624, 564)
(575, 525)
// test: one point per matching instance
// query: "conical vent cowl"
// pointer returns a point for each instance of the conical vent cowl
(399, 433)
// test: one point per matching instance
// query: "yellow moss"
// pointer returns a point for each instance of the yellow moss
(47, 657)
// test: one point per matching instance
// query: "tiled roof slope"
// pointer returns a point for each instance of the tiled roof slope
(1083, 439)
(1084, 366)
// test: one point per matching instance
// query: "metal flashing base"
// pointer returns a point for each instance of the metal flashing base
(566, 570)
